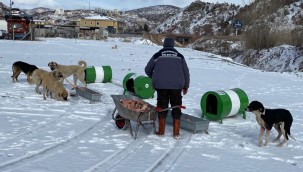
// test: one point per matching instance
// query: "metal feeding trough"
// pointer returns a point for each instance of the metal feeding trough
(190, 123)
(89, 94)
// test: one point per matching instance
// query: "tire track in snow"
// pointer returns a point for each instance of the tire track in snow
(164, 163)
(117, 157)
(170, 157)
(33, 130)
(34, 155)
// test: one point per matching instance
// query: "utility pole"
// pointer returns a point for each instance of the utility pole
(11, 18)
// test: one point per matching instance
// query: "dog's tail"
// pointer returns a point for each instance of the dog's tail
(83, 64)
(287, 127)
(287, 130)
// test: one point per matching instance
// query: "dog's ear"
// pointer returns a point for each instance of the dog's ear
(261, 108)
(49, 64)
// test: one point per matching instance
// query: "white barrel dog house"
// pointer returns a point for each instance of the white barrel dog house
(98, 74)
(217, 105)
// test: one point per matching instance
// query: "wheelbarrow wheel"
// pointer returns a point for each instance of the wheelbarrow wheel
(120, 122)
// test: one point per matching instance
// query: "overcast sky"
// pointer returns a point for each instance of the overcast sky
(107, 4)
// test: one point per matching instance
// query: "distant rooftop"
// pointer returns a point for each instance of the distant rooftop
(98, 17)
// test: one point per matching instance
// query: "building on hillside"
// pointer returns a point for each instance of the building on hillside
(111, 13)
(102, 22)
(102, 11)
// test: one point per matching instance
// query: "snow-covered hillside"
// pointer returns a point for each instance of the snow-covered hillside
(200, 18)
(153, 16)
(203, 18)
(284, 18)
(278, 59)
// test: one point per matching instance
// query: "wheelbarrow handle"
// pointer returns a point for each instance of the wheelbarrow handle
(158, 109)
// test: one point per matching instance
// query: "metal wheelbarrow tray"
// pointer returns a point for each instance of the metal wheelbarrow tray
(141, 118)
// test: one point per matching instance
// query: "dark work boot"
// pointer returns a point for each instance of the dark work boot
(176, 128)
(161, 126)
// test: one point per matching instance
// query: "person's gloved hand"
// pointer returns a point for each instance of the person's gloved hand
(184, 91)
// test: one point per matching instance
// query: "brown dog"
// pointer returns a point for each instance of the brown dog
(50, 83)
(76, 70)
(26, 68)
(37, 77)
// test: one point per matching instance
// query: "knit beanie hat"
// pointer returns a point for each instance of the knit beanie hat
(169, 42)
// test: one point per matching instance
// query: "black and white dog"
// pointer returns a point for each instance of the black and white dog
(20, 66)
(280, 119)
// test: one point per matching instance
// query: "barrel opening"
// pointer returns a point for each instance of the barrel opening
(130, 86)
(211, 104)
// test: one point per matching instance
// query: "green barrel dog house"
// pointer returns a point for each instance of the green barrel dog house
(217, 105)
(139, 85)
(98, 74)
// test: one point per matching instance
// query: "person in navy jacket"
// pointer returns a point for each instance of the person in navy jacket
(170, 78)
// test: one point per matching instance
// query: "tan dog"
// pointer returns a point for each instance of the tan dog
(67, 70)
(50, 83)
(19, 67)
(37, 77)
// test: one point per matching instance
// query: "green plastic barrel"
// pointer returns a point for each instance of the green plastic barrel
(139, 85)
(97, 74)
(217, 105)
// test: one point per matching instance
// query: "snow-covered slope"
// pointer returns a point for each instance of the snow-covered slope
(278, 59)
(199, 18)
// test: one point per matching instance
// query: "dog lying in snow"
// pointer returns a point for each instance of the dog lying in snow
(280, 119)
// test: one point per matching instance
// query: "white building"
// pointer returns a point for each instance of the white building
(3, 25)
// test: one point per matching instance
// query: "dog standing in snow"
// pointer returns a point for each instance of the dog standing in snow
(280, 119)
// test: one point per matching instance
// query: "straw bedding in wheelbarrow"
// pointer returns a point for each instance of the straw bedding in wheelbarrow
(134, 108)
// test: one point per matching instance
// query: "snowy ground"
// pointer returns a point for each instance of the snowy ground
(49, 135)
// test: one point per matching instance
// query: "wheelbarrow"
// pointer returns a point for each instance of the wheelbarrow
(123, 116)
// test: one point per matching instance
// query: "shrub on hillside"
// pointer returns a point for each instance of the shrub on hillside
(208, 29)
(259, 37)
(297, 37)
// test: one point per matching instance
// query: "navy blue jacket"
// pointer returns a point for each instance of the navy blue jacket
(168, 69)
